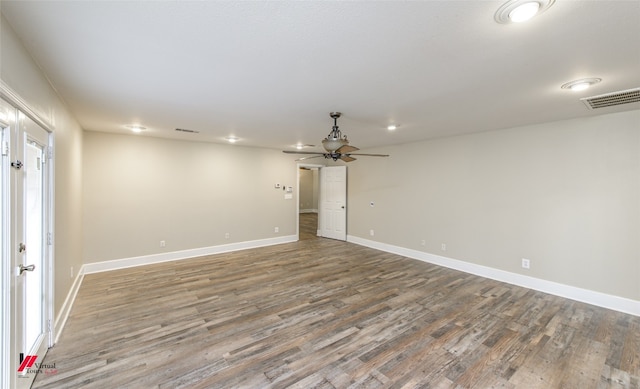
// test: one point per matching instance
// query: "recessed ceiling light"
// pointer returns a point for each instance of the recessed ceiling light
(391, 127)
(301, 146)
(517, 11)
(581, 84)
(136, 128)
(231, 139)
(524, 12)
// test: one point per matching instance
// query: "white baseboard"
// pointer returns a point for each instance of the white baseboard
(604, 300)
(63, 315)
(308, 211)
(124, 263)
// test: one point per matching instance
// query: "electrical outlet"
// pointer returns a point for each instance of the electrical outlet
(423, 242)
(226, 235)
(526, 264)
(443, 247)
(371, 233)
(277, 229)
(163, 243)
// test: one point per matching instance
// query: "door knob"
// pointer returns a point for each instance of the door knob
(24, 268)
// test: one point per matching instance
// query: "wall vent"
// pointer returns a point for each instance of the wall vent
(612, 99)
(186, 130)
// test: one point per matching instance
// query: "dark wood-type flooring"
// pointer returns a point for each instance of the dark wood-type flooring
(321, 313)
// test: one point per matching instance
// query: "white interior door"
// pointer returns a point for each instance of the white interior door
(30, 249)
(333, 202)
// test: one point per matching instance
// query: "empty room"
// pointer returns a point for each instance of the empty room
(320, 194)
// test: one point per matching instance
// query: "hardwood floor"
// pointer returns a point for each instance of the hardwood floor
(308, 226)
(321, 313)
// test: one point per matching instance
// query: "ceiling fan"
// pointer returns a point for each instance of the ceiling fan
(336, 145)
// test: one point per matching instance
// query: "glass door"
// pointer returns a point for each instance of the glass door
(31, 249)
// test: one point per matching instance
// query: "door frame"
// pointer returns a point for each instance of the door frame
(320, 215)
(8, 361)
(7, 122)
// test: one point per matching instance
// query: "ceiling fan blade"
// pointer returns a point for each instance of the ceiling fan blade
(347, 158)
(372, 155)
(347, 149)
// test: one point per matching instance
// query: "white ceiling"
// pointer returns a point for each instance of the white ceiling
(270, 72)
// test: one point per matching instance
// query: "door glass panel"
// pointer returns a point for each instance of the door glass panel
(34, 241)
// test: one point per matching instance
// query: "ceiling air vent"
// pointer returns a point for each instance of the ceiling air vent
(189, 131)
(612, 99)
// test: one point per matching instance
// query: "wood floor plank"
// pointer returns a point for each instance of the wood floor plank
(320, 313)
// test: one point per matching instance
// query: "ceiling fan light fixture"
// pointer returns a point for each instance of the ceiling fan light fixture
(518, 11)
(333, 144)
(336, 146)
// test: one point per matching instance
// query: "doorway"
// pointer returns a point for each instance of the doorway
(322, 191)
(308, 198)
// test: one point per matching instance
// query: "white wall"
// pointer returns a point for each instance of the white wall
(141, 190)
(20, 73)
(565, 195)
